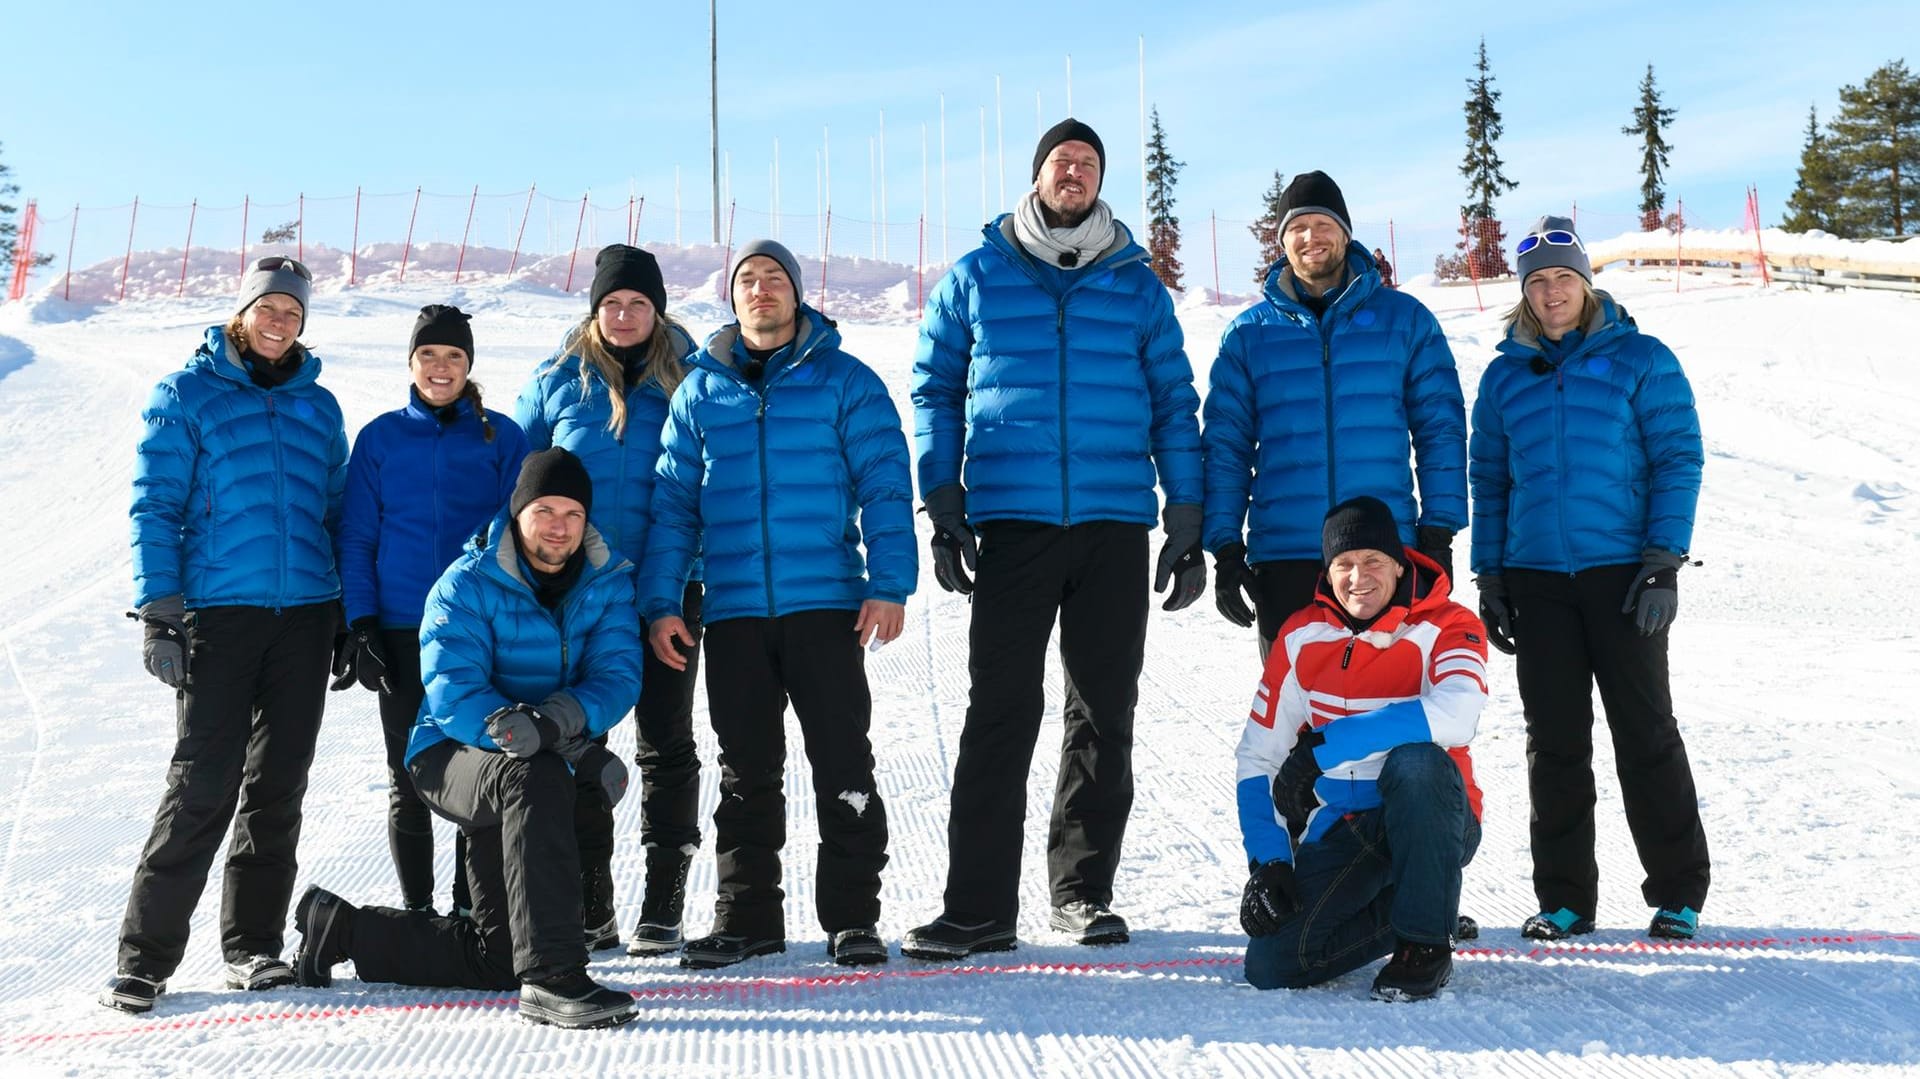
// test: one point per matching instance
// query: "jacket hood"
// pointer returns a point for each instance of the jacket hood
(494, 546)
(218, 356)
(814, 332)
(1608, 322)
(1363, 277)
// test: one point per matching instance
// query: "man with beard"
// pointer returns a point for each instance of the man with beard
(1051, 388)
(1324, 390)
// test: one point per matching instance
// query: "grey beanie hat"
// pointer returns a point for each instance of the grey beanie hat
(276, 273)
(774, 250)
(1543, 255)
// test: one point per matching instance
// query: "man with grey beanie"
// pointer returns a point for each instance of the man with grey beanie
(1331, 386)
(1051, 389)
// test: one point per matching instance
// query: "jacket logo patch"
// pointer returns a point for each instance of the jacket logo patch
(1474, 637)
(1363, 318)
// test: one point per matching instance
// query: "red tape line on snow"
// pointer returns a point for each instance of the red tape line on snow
(724, 985)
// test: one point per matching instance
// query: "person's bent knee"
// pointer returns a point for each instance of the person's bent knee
(1273, 963)
(1422, 763)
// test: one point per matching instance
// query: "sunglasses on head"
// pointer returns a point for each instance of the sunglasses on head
(281, 262)
(1552, 238)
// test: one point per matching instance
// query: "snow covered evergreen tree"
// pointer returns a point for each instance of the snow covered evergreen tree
(1650, 120)
(1815, 202)
(9, 228)
(1875, 140)
(1266, 229)
(1163, 228)
(1482, 168)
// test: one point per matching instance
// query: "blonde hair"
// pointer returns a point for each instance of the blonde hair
(663, 363)
(1529, 324)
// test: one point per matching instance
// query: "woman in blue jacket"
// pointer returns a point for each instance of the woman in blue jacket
(1585, 468)
(236, 495)
(604, 397)
(421, 481)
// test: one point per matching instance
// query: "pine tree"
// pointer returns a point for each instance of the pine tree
(1163, 229)
(9, 229)
(1485, 181)
(1876, 144)
(1650, 120)
(1266, 229)
(1815, 202)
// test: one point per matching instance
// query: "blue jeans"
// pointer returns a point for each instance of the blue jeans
(1382, 875)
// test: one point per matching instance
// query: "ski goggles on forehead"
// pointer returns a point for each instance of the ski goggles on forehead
(1552, 238)
(273, 263)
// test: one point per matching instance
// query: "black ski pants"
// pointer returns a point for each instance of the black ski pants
(663, 730)
(1570, 635)
(246, 724)
(1280, 588)
(1093, 579)
(754, 667)
(409, 822)
(522, 869)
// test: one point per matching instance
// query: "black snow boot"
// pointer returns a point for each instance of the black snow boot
(572, 1000)
(658, 931)
(601, 923)
(1416, 972)
(325, 922)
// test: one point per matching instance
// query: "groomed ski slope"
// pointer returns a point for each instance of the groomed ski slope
(1796, 667)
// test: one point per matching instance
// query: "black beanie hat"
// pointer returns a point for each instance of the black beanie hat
(1360, 524)
(1069, 130)
(1314, 193)
(443, 324)
(618, 266)
(553, 471)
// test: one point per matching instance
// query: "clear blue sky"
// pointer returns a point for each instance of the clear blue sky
(213, 100)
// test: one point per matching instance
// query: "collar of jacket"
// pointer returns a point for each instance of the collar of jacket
(217, 355)
(561, 358)
(999, 237)
(501, 557)
(814, 333)
(1609, 322)
(1282, 288)
(419, 410)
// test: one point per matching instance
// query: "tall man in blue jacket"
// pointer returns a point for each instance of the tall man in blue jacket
(782, 455)
(1051, 384)
(1327, 339)
(530, 650)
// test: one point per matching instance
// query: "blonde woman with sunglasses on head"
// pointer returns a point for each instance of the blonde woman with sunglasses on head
(1584, 465)
(237, 488)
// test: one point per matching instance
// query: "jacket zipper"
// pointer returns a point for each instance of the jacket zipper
(1060, 331)
(279, 500)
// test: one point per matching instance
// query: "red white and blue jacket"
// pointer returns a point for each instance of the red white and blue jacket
(1417, 674)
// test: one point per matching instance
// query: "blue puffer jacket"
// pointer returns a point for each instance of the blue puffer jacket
(1054, 386)
(417, 491)
(1590, 462)
(1305, 412)
(236, 488)
(486, 643)
(555, 410)
(782, 482)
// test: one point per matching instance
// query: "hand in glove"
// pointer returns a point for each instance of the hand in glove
(1495, 612)
(1233, 584)
(1655, 596)
(1436, 543)
(1271, 897)
(361, 656)
(594, 761)
(1293, 792)
(521, 731)
(953, 542)
(1182, 562)
(165, 649)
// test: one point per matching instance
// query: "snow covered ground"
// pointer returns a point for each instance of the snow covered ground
(1795, 674)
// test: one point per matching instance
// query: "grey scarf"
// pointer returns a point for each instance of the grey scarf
(1084, 241)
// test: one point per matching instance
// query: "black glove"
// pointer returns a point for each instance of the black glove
(1293, 788)
(1655, 596)
(361, 656)
(1233, 584)
(953, 542)
(165, 649)
(521, 731)
(1436, 543)
(1495, 612)
(595, 761)
(1182, 562)
(1270, 898)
